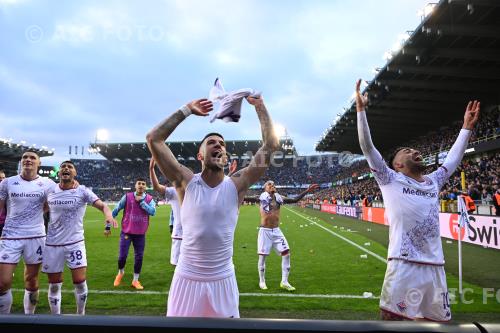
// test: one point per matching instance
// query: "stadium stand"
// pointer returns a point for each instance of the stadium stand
(347, 185)
(481, 170)
(10, 155)
(417, 99)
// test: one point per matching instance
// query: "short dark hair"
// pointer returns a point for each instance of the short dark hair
(31, 150)
(208, 135)
(392, 156)
(140, 179)
(68, 162)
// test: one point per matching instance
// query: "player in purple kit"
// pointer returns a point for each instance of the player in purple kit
(65, 236)
(138, 206)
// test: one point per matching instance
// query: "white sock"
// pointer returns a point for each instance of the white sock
(81, 293)
(136, 277)
(262, 268)
(55, 297)
(121, 271)
(5, 302)
(285, 268)
(30, 301)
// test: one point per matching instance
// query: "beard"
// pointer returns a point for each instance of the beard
(215, 164)
(417, 167)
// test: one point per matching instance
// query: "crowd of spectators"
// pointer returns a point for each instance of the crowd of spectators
(482, 172)
(110, 179)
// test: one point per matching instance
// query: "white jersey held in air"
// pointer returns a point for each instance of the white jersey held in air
(24, 202)
(412, 207)
(67, 208)
(209, 217)
(172, 198)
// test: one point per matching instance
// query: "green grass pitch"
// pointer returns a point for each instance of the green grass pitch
(322, 265)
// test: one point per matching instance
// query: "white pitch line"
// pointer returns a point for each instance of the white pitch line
(341, 237)
(146, 292)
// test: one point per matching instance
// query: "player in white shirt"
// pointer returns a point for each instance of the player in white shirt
(23, 235)
(204, 282)
(65, 241)
(415, 282)
(270, 235)
(170, 195)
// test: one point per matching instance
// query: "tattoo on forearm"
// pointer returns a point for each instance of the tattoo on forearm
(166, 127)
(265, 122)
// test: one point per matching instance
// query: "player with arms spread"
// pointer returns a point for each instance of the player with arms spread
(270, 235)
(415, 282)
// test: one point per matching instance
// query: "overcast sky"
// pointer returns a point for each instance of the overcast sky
(68, 68)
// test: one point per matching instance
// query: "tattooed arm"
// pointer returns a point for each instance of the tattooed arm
(311, 188)
(252, 198)
(262, 159)
(154, 180)
(176, 173)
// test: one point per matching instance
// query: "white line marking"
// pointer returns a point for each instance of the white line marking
(340, 236)
(146, 292)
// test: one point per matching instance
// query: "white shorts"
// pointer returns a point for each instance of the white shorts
(271, 238)
(192, 298)
(54, 257)
(30, 249)
(415, 291)
(175, 251)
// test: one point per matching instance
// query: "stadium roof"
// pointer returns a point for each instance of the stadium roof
(10, 151)
(186, 150)
(452, 57)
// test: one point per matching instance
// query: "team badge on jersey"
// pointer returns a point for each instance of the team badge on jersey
(402, 306)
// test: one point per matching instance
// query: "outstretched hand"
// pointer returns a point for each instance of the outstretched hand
(312, 188)
(233, 167)
(110, 221)
(471, 114)
(255, 101)
(361, 100)
(201, 107)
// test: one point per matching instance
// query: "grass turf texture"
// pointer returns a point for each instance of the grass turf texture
(321, 264)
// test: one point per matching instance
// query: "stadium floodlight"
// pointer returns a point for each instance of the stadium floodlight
(102, 134)
(426, 11)
(279, 130)
(387, 56)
